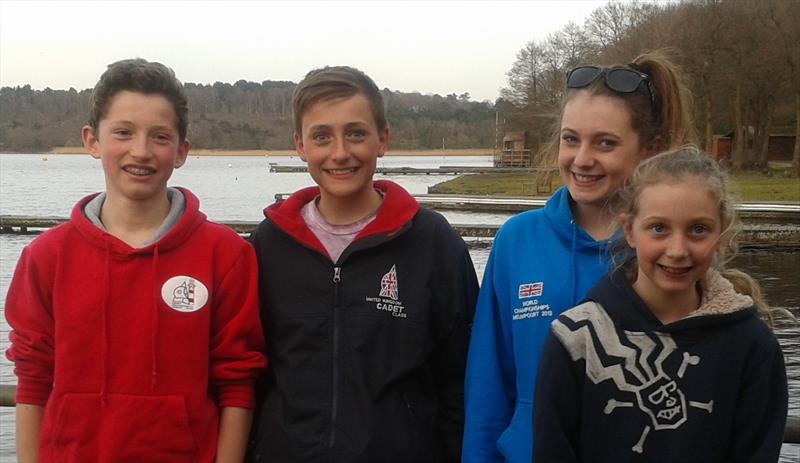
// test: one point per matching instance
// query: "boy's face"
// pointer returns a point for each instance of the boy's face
(139, 146)
(341, 144)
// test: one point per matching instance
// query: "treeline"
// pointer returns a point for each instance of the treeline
(742, 58)
(244, 115)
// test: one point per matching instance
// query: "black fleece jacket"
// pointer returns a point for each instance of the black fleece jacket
(616, 385)
(367, 354)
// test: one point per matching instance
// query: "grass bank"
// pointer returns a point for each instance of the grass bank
(750, 186)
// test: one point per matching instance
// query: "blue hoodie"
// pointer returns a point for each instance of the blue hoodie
(541, 264)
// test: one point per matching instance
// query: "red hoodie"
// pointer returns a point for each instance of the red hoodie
(132, 351)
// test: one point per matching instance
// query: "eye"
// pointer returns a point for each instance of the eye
(569, 138)
(699, 230)
(357, 135)
(162, 138)
(121, 133)
(607, 143)
(320, 137)
(657, 228)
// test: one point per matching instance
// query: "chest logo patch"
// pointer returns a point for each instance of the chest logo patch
(388, 299)
(184, 293)
(527, 290)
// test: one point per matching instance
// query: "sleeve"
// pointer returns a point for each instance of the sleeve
(557, 401)
(760, 417)
(490, 390)
(237, 341)
(29, 312)
(455, 291)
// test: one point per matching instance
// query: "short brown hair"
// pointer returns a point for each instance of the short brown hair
(141, 76)
(333, 82)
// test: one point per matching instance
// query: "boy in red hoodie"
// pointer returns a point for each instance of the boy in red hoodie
(135, 329)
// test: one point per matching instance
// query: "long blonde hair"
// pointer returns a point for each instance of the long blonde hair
(678, 164)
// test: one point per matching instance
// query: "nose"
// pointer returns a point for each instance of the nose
(339, 152)
(583, 156)
(676, 247)
(140, 147)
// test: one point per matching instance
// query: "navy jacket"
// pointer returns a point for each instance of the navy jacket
(367, 354)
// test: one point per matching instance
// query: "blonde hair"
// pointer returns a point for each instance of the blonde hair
(676, 165)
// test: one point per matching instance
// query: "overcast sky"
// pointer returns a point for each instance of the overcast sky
(425, 46)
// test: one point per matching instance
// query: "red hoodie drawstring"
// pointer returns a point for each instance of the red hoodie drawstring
(104, 314)
(154, 319)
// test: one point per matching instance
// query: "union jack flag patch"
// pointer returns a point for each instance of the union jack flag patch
(530, 289)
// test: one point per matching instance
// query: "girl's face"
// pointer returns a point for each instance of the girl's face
(675, 233)
(599, 148)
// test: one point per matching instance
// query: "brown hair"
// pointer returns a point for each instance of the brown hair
(676, 165)
(333, 82)
(663, 123)
(141, 76)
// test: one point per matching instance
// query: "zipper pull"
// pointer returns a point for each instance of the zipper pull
(337, 274)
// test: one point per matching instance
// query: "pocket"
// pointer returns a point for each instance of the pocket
(126, 428)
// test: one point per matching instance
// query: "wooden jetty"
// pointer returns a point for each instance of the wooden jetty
(753, 235)
(791, 435)
(442, 170)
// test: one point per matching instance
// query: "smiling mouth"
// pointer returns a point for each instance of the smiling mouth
(343, 171)
(583, 178)
(677, 271)
(139, 171)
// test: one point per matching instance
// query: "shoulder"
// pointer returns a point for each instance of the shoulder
(54, 238)
(433, 219)
(223, 240)
(587, 317)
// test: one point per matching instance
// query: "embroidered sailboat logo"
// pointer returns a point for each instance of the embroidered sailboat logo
(389, 285)
(184, 293)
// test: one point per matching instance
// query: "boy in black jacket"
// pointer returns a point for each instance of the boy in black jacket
(366, 298)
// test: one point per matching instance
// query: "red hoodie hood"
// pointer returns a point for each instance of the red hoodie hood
(188, 223)
(398, 207)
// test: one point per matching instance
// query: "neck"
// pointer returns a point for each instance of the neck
(669, 307)
(133, 222)
(337, 210)
(596, 221)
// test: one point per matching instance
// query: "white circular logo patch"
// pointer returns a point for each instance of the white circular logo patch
(184, 294)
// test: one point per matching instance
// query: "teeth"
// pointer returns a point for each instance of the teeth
(138, 170)
(675, 270)
(586, 178)
(342, 171)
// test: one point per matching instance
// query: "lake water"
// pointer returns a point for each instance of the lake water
(238, 188)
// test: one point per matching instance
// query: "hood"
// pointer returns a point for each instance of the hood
(396, 210)
(720, 304)
(559, 214)
(189, 221)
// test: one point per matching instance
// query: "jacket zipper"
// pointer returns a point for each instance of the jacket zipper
(337, 278)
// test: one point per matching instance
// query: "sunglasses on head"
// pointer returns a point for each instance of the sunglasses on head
(621, 80)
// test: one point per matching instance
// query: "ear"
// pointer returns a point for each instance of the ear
(90, 141)
(298, 146)
(183, 152)
(627, 228)
(383, 142)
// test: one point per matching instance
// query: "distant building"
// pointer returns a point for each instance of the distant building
(515, 151)
(779, 148)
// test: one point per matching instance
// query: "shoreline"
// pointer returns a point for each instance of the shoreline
(78, 150)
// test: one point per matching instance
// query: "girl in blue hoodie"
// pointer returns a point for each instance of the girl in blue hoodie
(544, 261)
